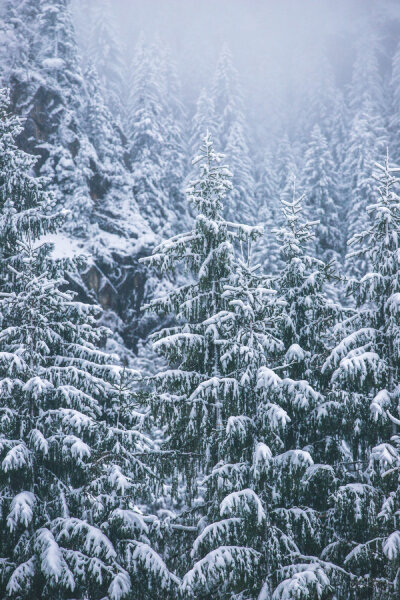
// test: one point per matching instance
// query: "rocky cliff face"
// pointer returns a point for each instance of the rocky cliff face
(82, 154)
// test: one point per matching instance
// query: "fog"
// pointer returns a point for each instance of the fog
(280, 48)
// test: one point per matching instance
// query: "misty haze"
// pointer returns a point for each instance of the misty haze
(199, 300)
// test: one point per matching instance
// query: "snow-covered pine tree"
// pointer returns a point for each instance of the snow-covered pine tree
(226, 94)
(320, 188)
(107, 54)
(304, 324)
(147, 136)
(367, 138)
(394, 120)
(72, 444)
(219, 404)
(230, 137)
(207, 252)
(366, 142)
(266, 250)
(175, 147)
(363, 367)
(189, 389)
(285, 167)
(241, 201)
(339, 126)
(116, 212)
(275, 184)
(203, 120)
(317, 100)
(101, 128)
(263, 522)
(366, 83)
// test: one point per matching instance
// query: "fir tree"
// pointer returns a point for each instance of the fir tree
(394, 121)
(231, 138)
(366, 141)
(155, 143)
(116, 211)
(227, 97)
(266, 251)
(366, 84)
(175, 150)
(220, 403)
(285, 167)
(367, 137)
(189, 388)
(107, 54)
(72, 445)
(304, 325)
(241, 200)
(270, 529)
(363, 368)
(319, 186)
(203, 120)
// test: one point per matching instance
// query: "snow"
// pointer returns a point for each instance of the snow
(295, 458)
(118, 480)
(120, 586)
(358, 366)
(132, 520)
(385, 454)
(380, 404)
(295, 354)
(64, 246)
(53, 63)
(262, 455)
(245, 501)
(21, 577)
(214, 532)
(266, 378)
(39, 441)
(309, 580)
(148, 559)
(391, 546)
(21, 510)
(17, 458)
(76, 447)
(239, 426)
(218, 565)
(51, 559)
(94, 541)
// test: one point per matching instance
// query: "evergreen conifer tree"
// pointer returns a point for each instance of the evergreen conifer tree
(72, 446)
(221, 403)
(175, 150)
(363, 367)
(319, 186)
(366, 142)
(107, 54)
(366, 84)
(275, 528)
(227, 97)
(203, 120)
(266, 251)
(241, 200)
(394, 120)
(155, 141)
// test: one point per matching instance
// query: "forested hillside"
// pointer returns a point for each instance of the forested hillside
(199, 301)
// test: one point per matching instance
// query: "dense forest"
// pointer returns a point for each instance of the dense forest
(199, 307)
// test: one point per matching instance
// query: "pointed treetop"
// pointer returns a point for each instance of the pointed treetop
(208, 192)
(295, 233)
